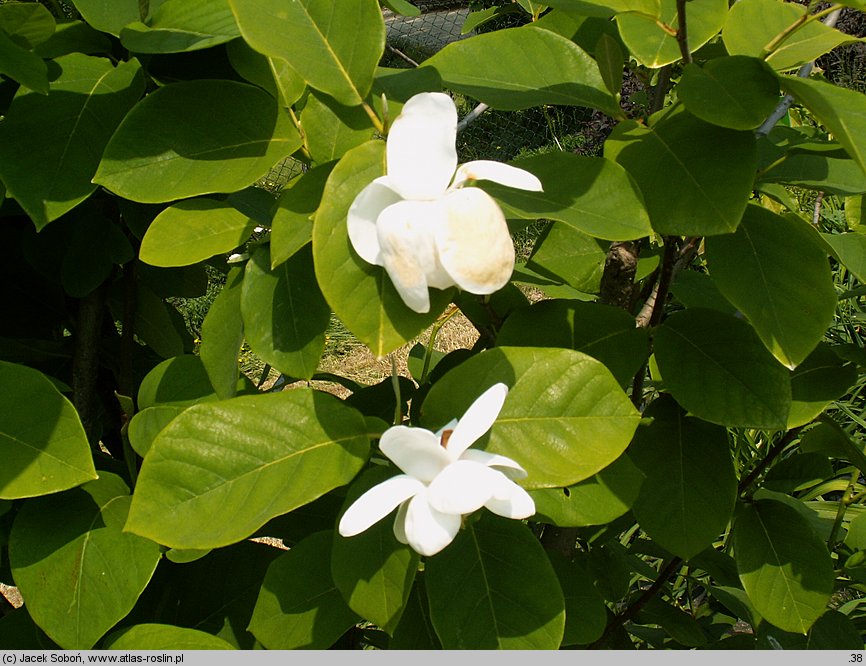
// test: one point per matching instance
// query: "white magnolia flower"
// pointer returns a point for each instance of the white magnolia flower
(444, 480)
(420, 223)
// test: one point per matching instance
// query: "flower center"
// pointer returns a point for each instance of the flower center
(446, 435)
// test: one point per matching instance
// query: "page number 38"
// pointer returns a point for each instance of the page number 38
(856, 658)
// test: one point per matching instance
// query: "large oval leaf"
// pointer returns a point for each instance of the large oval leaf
(716, 367)
(591, 194)
(42, 444)
(50, 145)
(164, 637)
(222, 334)
(565, 417)
(517, 68)
(494, 588)
(196, 137)
(112, 15)
(77, 569)
(361, 294)
(245, 460)
(334, 44)
(182, 25)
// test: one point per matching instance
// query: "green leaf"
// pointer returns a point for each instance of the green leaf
(28, 24)
(610, 58)
(776, 272)
(193, 230)
(597, 500)
(22, 65)
(181, 381)
(494, 588)
(602, 331)
(299, 607)
(73, 37)
(688, 495)
(415, 631)
(585, 612)
(222, 334)
(402, 7)
(158, 325)
(164, 637)
(50, 145)
(273, 74)
(334, 45)
(699, 290)
(292, 226)
(817, 172)
(736, 92)
(77, 568)
(798, 471)
(850, 250)
(607, 8)
(182, 25)
(565, 417)
(842, 111)
(255, 457)
(590, 194)
(148, 423)
(686, 193)
(43, 444)
(752, 26)
(653, 47)
(819, 380)
(783, 565)
(373, 571)
(678, 624)
(567, 255)
(112, 15)
(216, 136)
(361, 294)
(332, 129)
(517, 68)
(855, 213)
(717, 368)
(284, 313)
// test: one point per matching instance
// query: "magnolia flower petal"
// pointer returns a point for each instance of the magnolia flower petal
(377, 503)
(511, 501)
(415, 450)
(463, 487)
(477, 420)
(427, 530)
(501, 463)
(473, 242)
(362, 216)
(448, 426)
(421, 147)
(400, 523)
(504, 174)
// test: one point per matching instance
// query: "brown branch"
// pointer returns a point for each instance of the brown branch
(617, 280)
(85, 361)
(682, 32)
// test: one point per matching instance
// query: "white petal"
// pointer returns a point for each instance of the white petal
(421, 148)
(477, 420)
(377, 503)
(474, 245)
(504, 174)
(416, 451)
(505, 465)
(463, 487)
(448, 426)
(400, 523)
(427, 530)
(362, 216)
(511, 501)
(407, 248)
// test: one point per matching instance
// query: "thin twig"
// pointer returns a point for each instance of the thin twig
(682, 32)
(816, 210)
(472, 116)
(772, 454)
(399, 53)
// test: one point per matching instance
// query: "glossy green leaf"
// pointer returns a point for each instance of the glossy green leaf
(686, 193)
(653, 47)
(43, 444)
(798, 471)
(753, 25)
(832, 631)
(181, 381)
(22, 65)
(819, 380)
(284, 313)
(716, 367)
(610, 58)
(112, 15)
(496, 68)
(164, 637)
(50, 145)
(842, 111)
(494, 588)
(565, 417)
(590, 194)
(373, 571)
(594, 501)
(255, 457)
(855, 213)
(222, 334)
(783, 565)
(602, 331)
(299, 607)
(699, 290)
(182, 25)
(193, 230)
(736, 92)
(849, 249)
(585, 612)
(818, 172)
(565, 254)
(159, 325)
(273, 74)
(361, 294)
(334, 45)
(607, 7)
(28, 24)
(402, 7)
(688, 495)
(73, 37)
(331, 129)
(77, 568)
(292, 227)
(217, 136)
(146, 424)
(775, 271)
